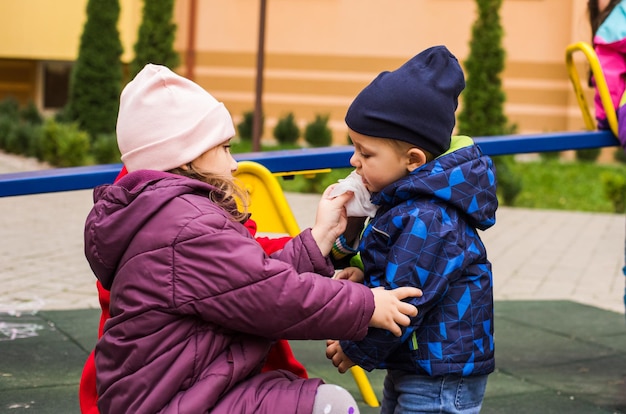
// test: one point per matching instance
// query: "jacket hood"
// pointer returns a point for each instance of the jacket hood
(121, 210)
(464, 179)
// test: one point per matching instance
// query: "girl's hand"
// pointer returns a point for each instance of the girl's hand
(336, 355)
(353, 274)
(390, 311)
(330, 220)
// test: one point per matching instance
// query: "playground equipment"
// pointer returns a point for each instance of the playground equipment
(268, 204)
(272, 213)
(288, 161)
(258, 172)
(600, 80)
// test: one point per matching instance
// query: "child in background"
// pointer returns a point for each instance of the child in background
(195, 301)
(433, 193)
(608, 32)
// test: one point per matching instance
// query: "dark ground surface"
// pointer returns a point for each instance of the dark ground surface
(551, 357)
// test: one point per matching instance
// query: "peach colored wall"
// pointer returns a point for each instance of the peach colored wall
(396, 28)
(324, 34)
(320, 53)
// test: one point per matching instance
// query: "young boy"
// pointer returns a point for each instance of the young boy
(433, 192)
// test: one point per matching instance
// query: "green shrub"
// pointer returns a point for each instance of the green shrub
(31, 114)
(588, 155)
(614, 186)
(286, 130)
(49, 143)
(550, 155)
(317, 133)
(64, 145)
(34, 136)
(74, 147)
(19, 130)
(155, 41)
(509, 184)
(11, 142)
(105, 150)
(7, 124)
(620, 155)
(10, 107)
(244, 128)
(23, 139)
(63, 115)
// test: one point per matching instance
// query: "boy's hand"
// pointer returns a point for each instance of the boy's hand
(336, 355)
(353, 274)
(390, 311)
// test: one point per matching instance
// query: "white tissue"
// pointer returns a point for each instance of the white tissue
(359, 205)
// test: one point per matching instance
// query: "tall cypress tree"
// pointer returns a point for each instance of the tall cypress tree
(96, 78)
(483, 97)
(155, 42)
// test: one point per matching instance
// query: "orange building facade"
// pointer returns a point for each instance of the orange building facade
(318, 53)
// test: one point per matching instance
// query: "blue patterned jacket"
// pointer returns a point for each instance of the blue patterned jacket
(425, 235)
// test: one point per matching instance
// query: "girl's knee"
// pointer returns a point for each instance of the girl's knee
(333, 399)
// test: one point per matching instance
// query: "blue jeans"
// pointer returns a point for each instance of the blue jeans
(405, 392)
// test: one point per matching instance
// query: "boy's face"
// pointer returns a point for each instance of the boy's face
(217, 160)
(380, 161)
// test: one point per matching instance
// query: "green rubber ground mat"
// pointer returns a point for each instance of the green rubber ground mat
(551, 357)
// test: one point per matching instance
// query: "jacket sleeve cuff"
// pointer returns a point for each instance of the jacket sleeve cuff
(341, 248)
(321, 264)
(352, 351)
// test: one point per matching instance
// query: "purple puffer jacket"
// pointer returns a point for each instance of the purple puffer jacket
(196, 303)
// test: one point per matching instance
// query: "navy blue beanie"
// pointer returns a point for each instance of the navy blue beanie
(415, 103)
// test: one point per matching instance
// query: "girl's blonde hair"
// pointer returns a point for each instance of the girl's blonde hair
(228, 195)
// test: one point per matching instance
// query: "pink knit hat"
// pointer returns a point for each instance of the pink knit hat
(166, 121)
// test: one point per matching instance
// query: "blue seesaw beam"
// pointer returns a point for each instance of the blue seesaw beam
(82, 178)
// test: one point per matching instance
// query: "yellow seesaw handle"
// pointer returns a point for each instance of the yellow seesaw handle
(364, 386)
(598, 75)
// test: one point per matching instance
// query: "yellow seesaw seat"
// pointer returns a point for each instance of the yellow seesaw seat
(272, 213)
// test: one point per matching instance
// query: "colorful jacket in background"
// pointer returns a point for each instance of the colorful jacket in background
(425, 235)
(196, 303)
(609, 44)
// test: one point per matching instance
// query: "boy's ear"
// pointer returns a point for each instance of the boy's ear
(415, 158)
